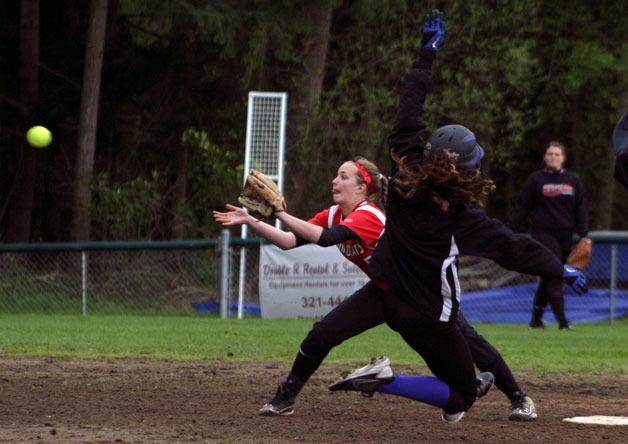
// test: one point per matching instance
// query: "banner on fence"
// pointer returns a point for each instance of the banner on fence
(306, 282)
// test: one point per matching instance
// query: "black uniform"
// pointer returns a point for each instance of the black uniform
(556, 205)
(555, 202)
(364, 310)
(417, 255)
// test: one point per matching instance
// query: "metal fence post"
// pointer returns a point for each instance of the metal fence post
(84, 280)
(613, 283)
(224, 274)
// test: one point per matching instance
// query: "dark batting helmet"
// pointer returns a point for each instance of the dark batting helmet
(460, 142)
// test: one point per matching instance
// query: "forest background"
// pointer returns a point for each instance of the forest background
(147, 102)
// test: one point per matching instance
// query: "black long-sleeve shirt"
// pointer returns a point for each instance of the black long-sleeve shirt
(417, 253)
(554, 200)
(620, 141)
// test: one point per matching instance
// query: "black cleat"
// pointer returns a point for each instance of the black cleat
(485, 382)
(522, 408)
(565, 326)
(283, 402)
(366, 379)
(537, 324)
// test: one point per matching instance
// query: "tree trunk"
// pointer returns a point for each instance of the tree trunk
(88, 120)
(21, 209)
(316, 47)
(606, 192)
(307, 99)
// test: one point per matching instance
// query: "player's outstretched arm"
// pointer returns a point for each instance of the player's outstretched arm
(405, 138)
(303, 229)
(237, 216)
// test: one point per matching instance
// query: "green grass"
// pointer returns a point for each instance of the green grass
(591, 348)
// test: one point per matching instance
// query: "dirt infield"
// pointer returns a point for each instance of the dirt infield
(61, 400)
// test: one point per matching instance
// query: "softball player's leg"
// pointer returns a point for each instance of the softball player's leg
(447, 354)
(444, 350)
(549, 289)
(356, 314)
(488, 359)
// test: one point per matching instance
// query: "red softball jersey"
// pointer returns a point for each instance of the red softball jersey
(366, 220)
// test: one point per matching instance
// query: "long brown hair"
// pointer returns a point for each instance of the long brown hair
(442, 183)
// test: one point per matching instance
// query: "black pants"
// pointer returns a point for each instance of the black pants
(361, 311)
(488, 359)
(550, 290)
(441, 345)
(364, 310)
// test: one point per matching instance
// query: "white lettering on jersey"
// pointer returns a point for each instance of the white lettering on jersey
(351, 250)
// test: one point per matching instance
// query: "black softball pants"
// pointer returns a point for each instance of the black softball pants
(550, 290)
(441, 345)
(358, 313)
(364, 310)
(488, 359)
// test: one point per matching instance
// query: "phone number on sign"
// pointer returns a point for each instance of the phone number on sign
(317, 301)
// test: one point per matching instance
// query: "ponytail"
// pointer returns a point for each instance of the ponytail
(377, 183)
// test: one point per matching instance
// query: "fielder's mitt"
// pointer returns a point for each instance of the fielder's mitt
(261, 195)
(581, 254)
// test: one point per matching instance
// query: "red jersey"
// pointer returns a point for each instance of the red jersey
(366, 221)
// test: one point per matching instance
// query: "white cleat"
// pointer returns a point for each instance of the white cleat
(366, 379)
(452, 418)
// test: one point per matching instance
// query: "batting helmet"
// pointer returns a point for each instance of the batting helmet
(460, 142)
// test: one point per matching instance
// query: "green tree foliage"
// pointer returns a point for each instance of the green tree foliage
(176, 77)
(127, 210)
(215, 178)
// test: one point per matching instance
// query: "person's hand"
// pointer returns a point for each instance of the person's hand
(434, 32)
(575, 279)
(235, 216)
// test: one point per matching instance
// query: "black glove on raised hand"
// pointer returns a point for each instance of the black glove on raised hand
(434, 32)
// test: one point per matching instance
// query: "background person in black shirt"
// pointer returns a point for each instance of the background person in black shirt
(554, 199)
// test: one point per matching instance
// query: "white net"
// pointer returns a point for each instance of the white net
(264, 151)
(265, 134)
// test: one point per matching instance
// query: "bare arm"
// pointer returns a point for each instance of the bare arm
(237, 216)
(309, 232)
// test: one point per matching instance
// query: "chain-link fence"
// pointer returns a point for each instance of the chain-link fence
(495, 295)
(190, 277)
(108, 278)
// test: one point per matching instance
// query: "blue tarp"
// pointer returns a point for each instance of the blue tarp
(513, 305)
(599, 269)
(208, 307)
(506, 305)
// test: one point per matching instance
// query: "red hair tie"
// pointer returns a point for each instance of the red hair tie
(365, 176)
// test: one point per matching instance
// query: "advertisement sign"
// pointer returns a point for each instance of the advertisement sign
(306, 282)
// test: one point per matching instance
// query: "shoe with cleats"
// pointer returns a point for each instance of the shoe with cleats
(283, 402)
(522, 408)
(485, 382)
(452, 418)
(366, 379)
(565, 326)
(536, 324)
